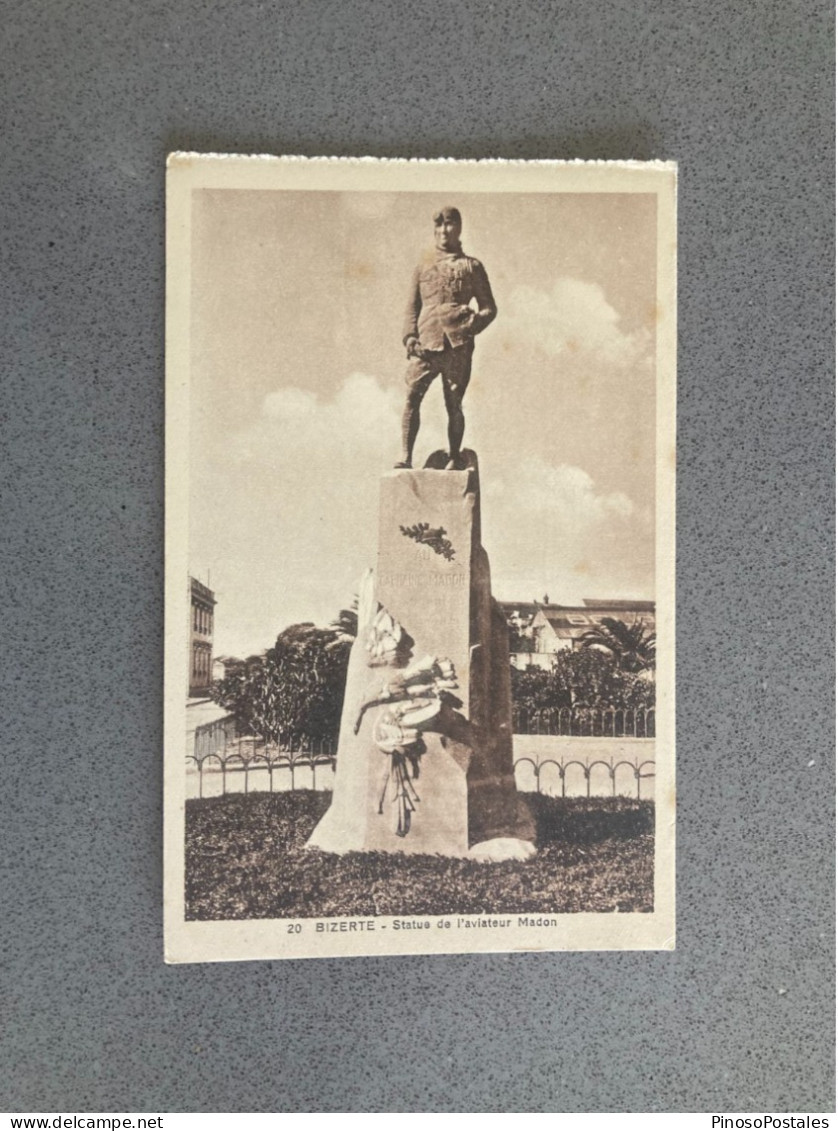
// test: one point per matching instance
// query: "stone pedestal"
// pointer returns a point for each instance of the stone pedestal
(432, 577)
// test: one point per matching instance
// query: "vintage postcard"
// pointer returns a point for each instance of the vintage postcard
(420, 556)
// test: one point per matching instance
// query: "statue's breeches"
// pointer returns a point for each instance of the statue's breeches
(452, 364)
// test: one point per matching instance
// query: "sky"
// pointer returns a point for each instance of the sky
(296, 392)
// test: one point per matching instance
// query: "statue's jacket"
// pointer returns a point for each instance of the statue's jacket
(440, 308)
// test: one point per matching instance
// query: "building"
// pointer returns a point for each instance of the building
(538, 631)
(201, 615)
(224, 666)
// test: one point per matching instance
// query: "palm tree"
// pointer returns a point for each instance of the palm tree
(631, 645)
(344, 626)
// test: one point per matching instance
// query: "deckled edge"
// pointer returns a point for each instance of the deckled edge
(177, 156)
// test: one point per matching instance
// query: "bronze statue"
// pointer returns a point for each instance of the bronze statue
(450, 302)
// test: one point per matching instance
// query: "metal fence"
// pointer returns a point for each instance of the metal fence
(219, 750)
(212, 738)
(586, 722)
(640, 770)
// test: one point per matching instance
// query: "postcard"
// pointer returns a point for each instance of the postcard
(420, 557)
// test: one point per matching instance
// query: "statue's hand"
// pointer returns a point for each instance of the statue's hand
(471, 320)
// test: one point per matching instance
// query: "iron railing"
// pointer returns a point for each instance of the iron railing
(640, 770)
(586, 722)
(218, 749)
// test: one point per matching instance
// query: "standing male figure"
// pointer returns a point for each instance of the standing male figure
(450, 302)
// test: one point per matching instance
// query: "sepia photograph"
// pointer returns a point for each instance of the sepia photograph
(420, 557)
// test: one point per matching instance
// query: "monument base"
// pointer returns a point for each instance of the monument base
(424, 759)
(502, 848)
(362, 816)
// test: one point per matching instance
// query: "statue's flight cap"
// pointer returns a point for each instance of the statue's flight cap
(448, 213)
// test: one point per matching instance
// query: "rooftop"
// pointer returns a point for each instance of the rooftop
(589, 604)
(200, 590)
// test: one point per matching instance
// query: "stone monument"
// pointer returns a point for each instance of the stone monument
(424, 759)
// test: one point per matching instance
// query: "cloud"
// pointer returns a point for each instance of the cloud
(352, 426)
(567, 494)
(561, 495)
(552, 529)
(286, 515)
(575, 318)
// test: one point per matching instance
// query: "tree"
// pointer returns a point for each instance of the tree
(345, 626)
(295, 690)
(632, 647)
(519, 642)
(589, 678)
(310, 675)
(533, 689)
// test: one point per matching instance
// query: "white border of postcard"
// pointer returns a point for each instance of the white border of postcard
(191, 941)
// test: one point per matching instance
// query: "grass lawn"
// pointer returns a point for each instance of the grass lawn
(245, 859)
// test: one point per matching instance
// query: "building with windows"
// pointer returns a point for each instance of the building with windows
(538, 631)
(201, 615)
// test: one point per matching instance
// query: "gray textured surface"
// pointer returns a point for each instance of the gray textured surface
(96, 92)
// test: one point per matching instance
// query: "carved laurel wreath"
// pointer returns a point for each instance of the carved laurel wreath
(433, 537)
